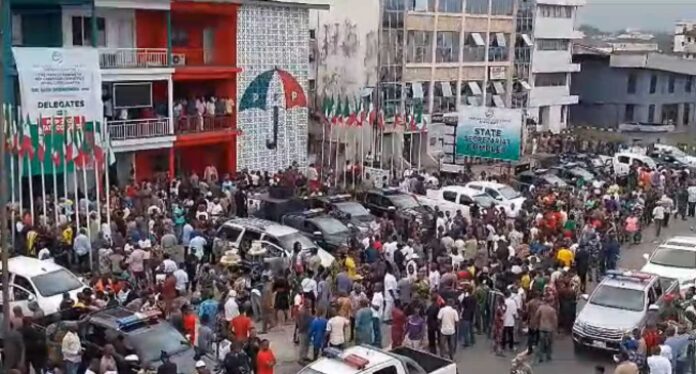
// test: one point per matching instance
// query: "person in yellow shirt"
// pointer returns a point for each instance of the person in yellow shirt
(525, 281)
(565, 256)
(351, 268)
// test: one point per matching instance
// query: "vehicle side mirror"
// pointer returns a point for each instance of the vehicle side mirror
(585, 296)
(646, 256)
(317, 234)
(31, 298)
(499, 198)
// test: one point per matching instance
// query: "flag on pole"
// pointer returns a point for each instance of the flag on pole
(352, 117)
(380, 119)
(55, 148)
(70, 151)
(9, 137)
(338, 113)
(362, 114)
(372, 115)
(328, 108)
(27, 146)
(420, 126)
(397, 120)
(348, 117)
(41, 144)
(98, 149)
(15, 134)
(83, 155)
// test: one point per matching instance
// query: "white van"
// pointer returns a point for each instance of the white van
(504, 195)
(623, 161)
(44, 281)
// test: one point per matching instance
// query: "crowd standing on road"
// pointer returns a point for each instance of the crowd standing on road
(440, 286)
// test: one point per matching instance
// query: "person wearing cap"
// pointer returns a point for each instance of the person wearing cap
(201, 367)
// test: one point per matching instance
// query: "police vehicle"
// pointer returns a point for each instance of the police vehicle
(327, 231)
(346, 210)
(618, 305)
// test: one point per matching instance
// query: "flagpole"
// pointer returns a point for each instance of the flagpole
(20, 163)
(76, 204)
(420, 140)
(338, 145)
(31, 189)
(323, 144)
(43, 191)
(97, 180)
(362, 150)
(107, 163)
(328, 157)
(10, 138)
(345, 152)
(410, 150)
(55, 189)
(86, 195)
(355, 156)
(392, 149)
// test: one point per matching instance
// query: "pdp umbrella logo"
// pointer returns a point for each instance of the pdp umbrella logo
(256, 96)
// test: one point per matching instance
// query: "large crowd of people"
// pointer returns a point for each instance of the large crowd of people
(513, 282)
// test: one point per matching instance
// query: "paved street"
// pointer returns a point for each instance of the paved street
(480, 358)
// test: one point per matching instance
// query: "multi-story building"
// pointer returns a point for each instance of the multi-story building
(543, 60)
(685, 39)
(616, 88)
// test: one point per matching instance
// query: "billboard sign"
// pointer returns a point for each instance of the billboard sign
(494, 133)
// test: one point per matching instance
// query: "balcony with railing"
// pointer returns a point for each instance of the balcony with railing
(139, 128)
(186, 125)
(133, 58)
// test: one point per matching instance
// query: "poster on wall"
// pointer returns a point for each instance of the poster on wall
(61, 89)
(493, 133)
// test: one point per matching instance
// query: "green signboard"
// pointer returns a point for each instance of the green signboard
(485, 132)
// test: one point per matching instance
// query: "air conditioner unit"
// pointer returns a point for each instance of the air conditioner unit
(178, 59)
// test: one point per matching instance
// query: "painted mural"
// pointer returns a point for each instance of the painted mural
(273, 53)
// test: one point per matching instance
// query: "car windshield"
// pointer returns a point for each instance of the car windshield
(554, 180)
(584, 174)
(483, 200)
(508, 192)
(355, 210)
(56, 282)
(618, 298)
(674, 257)
(163, 338)
(288, 241)
(404, 201)
(331, 226)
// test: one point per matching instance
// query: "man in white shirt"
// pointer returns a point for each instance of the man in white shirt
(389, 248)
(197, 245)
(448, 318)
(511, 314)
(310, 289)
(168, 265)
(336, 331)
(691, 190)
(71, 348)
(390, 293)
(182, 281)
(659, 218)
(659, 364)
(231, 307)
(434, 277)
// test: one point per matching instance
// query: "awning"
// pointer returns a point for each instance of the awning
(446, 89)
(475, 89)
(499, 88)
(500, 39)
(417, 89)
(474, 100)
(498, 101)
(478, 39)
(525, 85)
(527, 40)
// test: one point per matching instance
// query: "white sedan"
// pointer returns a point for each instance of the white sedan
(674, 259)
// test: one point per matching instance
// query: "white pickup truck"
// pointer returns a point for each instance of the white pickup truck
(364, 359)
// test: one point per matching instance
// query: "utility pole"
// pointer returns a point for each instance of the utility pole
(4, 237)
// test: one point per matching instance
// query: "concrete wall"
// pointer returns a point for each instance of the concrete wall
(346, 41)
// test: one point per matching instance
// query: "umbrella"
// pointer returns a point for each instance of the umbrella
(256, 96)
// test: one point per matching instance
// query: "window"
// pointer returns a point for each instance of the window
(450, 6)
(555, 11)
(447, 49)
(419, 47)
(23, 282)
(624, 159)
(632, 80)
(477, 6)
(670, 83)
(312, 84)
(502, 7)
(550, 79)
(387, 370)
(465, 200)
(229, 233)
(449, 196)
(563, 113)
(628, 112)
(421, 5)
(17, 29)
(552, 44)
(687, 113)
(82, 31)
(653, 83)
(651, 113)
(312, 33)
(20, 294)
(689, 83)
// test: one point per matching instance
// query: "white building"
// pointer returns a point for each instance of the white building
(685, 38)
(546, 31)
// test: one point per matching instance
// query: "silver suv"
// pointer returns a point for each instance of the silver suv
(618, 305)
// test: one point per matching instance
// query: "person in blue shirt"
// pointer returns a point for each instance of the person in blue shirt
(317, 333)
(186, 234)
(209, 308)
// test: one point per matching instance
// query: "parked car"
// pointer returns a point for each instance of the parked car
(674, 259)
(346, 210)
(326, 230)
(398, 206)
(42, 281)
(538, 178)
(505, 196)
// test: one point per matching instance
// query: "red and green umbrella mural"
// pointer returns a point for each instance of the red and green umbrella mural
(256, 96)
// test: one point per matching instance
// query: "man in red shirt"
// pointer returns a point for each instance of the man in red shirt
(265, 359)
(189, 322)
(241, 325)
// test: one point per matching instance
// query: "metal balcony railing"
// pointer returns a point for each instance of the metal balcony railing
(139, 128)
(123, 58)
(202, 124)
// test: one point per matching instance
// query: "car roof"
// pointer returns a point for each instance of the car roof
(463, 190)
(109, 318)
(30, 267)
(334, 366)
(269, 227)
(633, 284)
(682, 242)
(486, 184)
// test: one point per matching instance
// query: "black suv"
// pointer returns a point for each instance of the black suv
(345, 209)
(327, 231)
(398, 206)
(144, 335)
